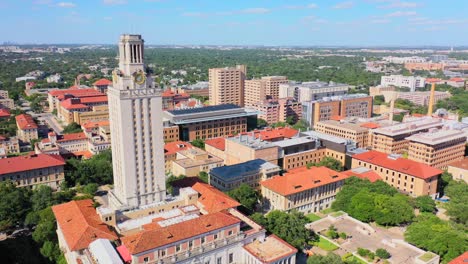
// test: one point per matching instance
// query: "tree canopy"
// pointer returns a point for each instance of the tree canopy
(72, 128)
(246, 196)
(14, 205)
(199, 143)
(328, 162)
(97, 169)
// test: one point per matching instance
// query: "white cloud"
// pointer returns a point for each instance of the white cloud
(400, 4)
(114, 2)
(259, 10)
(66, 4)
(380, 21)
(344, 5)
(402, 14)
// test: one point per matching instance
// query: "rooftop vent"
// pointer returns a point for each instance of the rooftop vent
(297, 186)
(317, 181)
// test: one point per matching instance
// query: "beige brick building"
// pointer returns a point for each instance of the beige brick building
(273, 111)
(352, 131)
(459, 170)
(437, 148)
(27, 128)
(190, 162)
(32, 170)
(408, 176)
(244, 147)
(257, 90)
(226, 85)
(305, 190)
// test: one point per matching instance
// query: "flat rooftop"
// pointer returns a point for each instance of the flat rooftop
(437, 137)
(324, 136)
(243, 169)
(294, 141)
(409, 127)
(207, 113)
(251, 142)
(271, 249)
(346, 125)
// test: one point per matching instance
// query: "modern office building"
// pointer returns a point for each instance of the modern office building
(137, 130)
(311, 91)
(258, 90)
(279, 110)
(437, 148)
(408, 176)
(250, 172)
(27, 128)
(210, 121)
(393, 138)
(354, 105)
(33, 170)
(411, 82)
(226, 85)
(302, 189)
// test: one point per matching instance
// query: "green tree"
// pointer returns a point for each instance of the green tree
(199, 143)
(457, 207)
(14, 205)
(382, 253)
(72, 128)
(203, 176)
(362, 206)
(170, 180)
(290, 120)
(425, 204)
(90, 188)
(392, 210)
(261, 123)
(246, 196)
(301, 125)
(97, 169)
(330, 258)
(42, 197)
(379, 100)
(434, 234)
(328, 162)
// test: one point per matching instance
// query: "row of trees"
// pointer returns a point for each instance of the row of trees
(96, 170)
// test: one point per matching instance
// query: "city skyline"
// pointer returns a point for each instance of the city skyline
(275, 23)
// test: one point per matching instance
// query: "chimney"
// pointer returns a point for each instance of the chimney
(431, 101)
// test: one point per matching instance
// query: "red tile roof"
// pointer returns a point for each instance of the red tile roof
(169, 93)
(94, 99)
(80, 224)
(370, 125)
(102, 82)
(302, 179)
(76, 92)
(212, 199)
(275, 133)
(457, 79)
(71, 137)
(25, 121)
(30, 162)
(151, 239)
(4, 113)
(176, 146)
(336, 117)
(219, 143)
(95, 124)
(433, 80)
(371, 175)
(123, 252)
(462, 259)
(410, 167)
(69, 104)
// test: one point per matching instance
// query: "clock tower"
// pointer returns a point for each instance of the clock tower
(137, 130)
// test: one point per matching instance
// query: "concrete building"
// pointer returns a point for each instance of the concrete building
(305, 190)
(27, 128)
(273, 111)
(9, 145)
(403, 60)
(459, 170)
(210, 121)
(354, 105)
(137, 130)
(170, 99)
(424, 66)
(393, 139)
(408, 176)
(245, 147)
(437, 148)
(82, 110)
(170, 131)
(82, 144)
(422, 98)
(170, 152)
(258, 90)
(56, 78)
(357, 132)
(411, 82)
(250, 172)
(5, 101)
(226, 85)
(33, 170)
(191, 161)
(311, 91)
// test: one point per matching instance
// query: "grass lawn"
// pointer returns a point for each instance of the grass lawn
(354, 259)
(327, 211)
(336, 214)
(325, 244)
(426, 256)
(312, 217)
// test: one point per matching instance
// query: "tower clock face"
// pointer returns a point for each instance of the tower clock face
(140, 78)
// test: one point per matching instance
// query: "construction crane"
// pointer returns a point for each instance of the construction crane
(431, 101)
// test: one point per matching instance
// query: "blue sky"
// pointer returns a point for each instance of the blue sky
(238, 22)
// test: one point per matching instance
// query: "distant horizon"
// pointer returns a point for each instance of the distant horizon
(360, 23)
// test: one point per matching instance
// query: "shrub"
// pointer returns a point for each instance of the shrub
(343, 235)
(382, 253)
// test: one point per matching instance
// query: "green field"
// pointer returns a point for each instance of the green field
(325, 244)
(312, 217)
(354, 259)
(327, 211)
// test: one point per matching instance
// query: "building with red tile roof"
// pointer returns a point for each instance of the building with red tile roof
(275, 134)
(298, 189)
(27, 128)
(4, 113)
(170, 152)
(216, 147)
(459, 169)
(86, 109)
(213, 200)
(170, 99)
(78, 225)
(462, 259)
(363, 173)
(81, 144)
(406, 175)
(54, 97)
(32, 170)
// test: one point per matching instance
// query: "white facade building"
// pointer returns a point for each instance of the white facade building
(411, 82)
(137, 130)
(403, 60)
(310, 91)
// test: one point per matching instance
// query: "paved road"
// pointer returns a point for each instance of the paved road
(51, 122)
